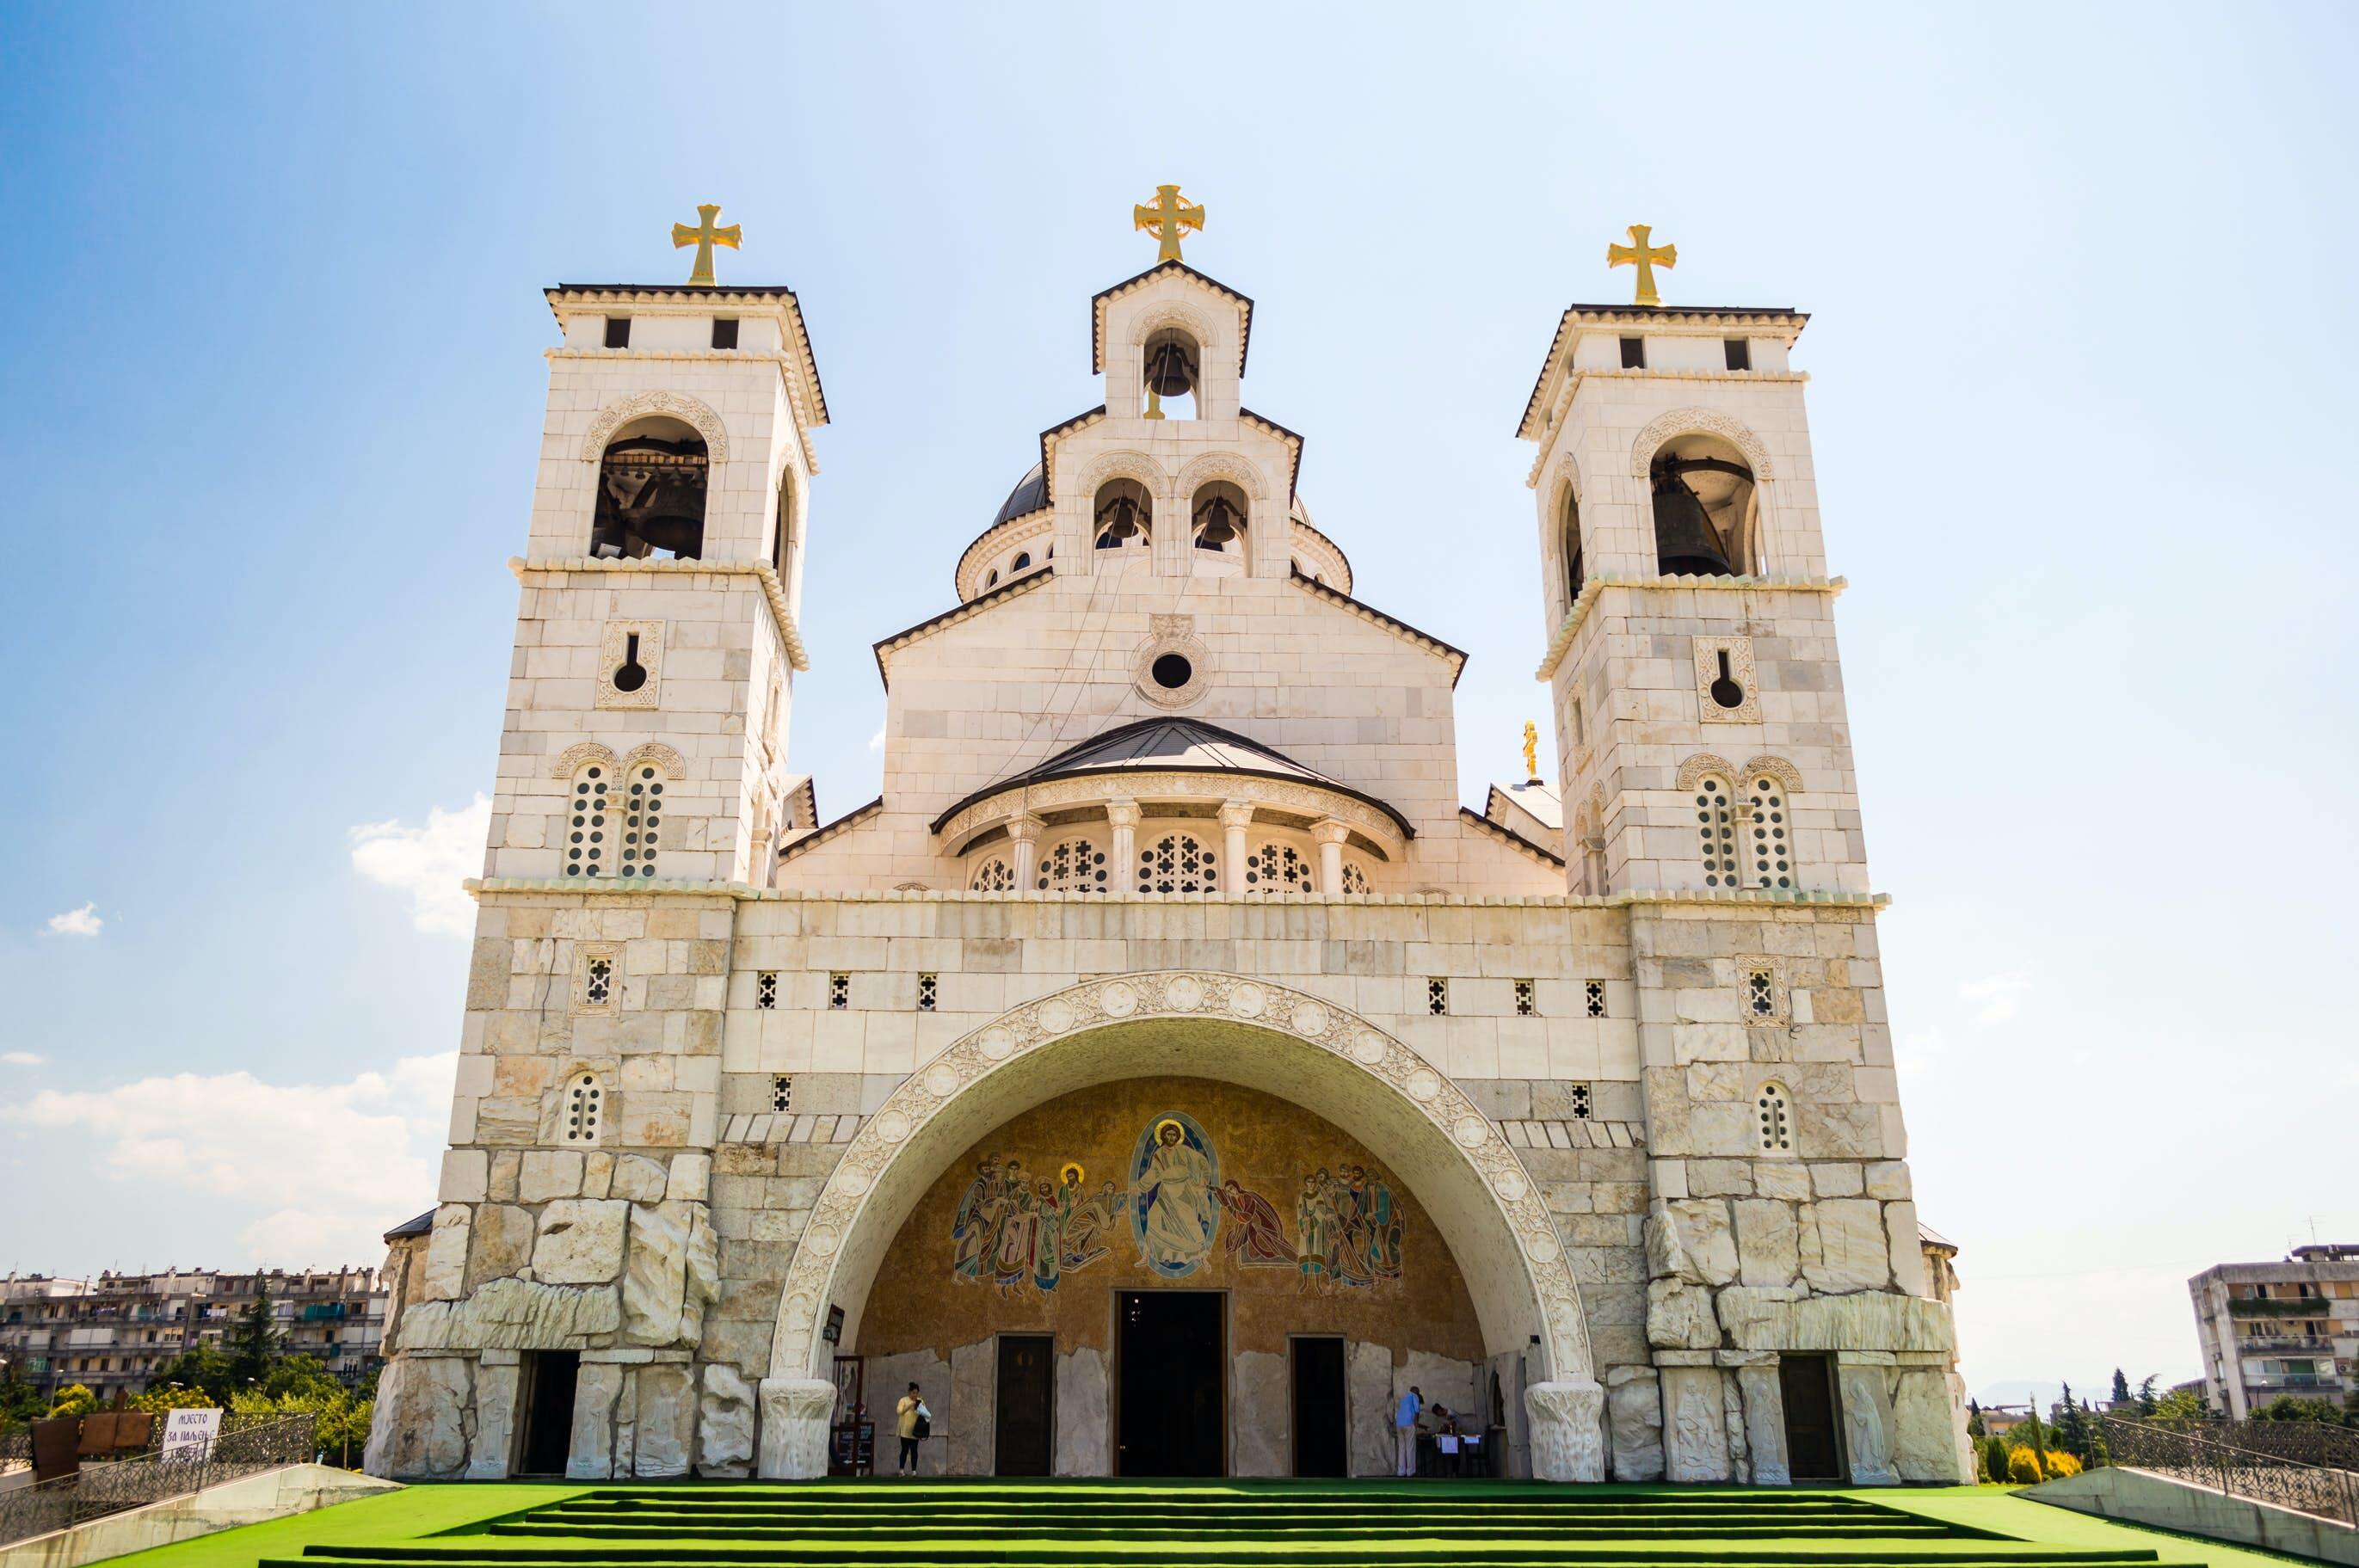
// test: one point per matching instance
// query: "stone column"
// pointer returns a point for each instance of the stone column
(1124, 815)
(794, 1428)
(1024, 833)
(1330, 835)
(1236, 815)
(1567, 1421)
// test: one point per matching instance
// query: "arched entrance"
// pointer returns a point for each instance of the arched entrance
(1263, 1036)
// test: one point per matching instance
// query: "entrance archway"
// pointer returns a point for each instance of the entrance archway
(1249, 1032)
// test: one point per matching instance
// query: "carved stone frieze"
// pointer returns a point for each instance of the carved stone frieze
(1129, 785)
(1705, 421)
(638, 406)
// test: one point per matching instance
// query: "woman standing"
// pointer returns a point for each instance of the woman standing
(912, 1421)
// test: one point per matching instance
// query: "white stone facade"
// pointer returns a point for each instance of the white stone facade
(1159, 796)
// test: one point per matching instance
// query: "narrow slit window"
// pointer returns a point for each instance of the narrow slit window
(598, 982)
(1592, 997)
(1716, 833)
(1580, 1102)
(618, 331)
(1773, 844)
(839, 991)
(584, 1108)
(1634, 354)
(1773, 1119)
(1526, 1002)
(1760, 993)
(765, 989)
(782, 1092)
(585, 828)
(1437, 996)
(725, 331)
(1739, 352)
(930, 992)
(642, 823)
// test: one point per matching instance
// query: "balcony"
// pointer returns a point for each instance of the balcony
(2274, 1343)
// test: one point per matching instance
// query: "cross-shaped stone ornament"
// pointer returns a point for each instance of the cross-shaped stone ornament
(1645, 258)
(704, 236)
(1169, 219)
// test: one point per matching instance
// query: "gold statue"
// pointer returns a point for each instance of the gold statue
(1645, 258)
(1531, 749)
(704, 236)
(1169, 220)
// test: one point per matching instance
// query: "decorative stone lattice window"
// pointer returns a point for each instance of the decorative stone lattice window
(642, 820)
(993, 876)
(1593, 998)
(1773, 1119)
(765, 989)
(1761, 993)
(1277, 868)
(839, 991)
(1075, 865)
(1716, 833)
(929, 991)
(598, 981)
(782, 1092)
(585, 1108)
(1178, 862)
(1772, 848)
(1437, 996)
(1355, 880)
(585, 826)
(1582, 1102)
(1526, 1003)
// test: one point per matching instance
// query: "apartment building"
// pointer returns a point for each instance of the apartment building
(2269, 1329)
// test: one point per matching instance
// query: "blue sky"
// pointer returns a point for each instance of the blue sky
(2082, 404)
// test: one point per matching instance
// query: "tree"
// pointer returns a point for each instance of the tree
(1975, 1419)
(20, 1402)
(2181, 1406)
(299, 1374)
(2121, 1395)
(1995, 1458)
(2146, 1397)
(202, 1367)
(254, 1340)
(2023, 1467)
(2286, 1407)
(74, 1399)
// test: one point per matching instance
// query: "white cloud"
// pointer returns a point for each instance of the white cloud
(335, 1163)
(877, 742)
(1998, 997)
(428, 863)
(22, 1058)
(83, 922)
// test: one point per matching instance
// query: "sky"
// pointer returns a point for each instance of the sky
(2080, 347)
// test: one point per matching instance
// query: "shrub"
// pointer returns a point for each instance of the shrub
(2060, 1465)
(1995, 1458)
(2023, 1468)
(74, 1399)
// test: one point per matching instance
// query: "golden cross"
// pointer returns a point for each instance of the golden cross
(1645, 258)
(1169, 220)
(704, 236)
(1531, 749)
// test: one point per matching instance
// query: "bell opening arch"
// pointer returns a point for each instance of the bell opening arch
(1300, 1048)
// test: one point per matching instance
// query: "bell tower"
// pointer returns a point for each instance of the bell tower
(1702, 740)
(656, 643)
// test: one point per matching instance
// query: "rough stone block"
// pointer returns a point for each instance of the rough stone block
(1844, 1247)
(640, 1179)
(1634, 1423)
(549, 1173)
(1084, 1415)
(1566, 1427)
(1679, 1316)
(499, 1244)
(1767, 1242)
(581, 1241)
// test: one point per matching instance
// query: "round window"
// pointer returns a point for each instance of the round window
(1172, 671)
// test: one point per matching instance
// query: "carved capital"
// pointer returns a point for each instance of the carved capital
(1330, 832)
(1236, 814)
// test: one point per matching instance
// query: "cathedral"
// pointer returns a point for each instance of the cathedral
(1166, 1073)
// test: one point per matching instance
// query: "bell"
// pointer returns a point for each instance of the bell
(1685, 544)
(1168, 373)
(1217, 524)
(1117, 523)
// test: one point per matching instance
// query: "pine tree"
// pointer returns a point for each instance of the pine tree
(2121, 1387)
(253, 1341)
(1974, 1428)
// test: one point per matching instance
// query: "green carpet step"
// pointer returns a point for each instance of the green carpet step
(1423, 1552)
(1177, 1539)
(1391, 1520)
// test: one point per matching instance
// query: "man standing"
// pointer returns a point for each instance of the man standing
(1405, 1431)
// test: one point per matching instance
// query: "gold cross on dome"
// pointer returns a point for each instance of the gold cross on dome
(1169, 219)
(1645, 258)
(704, 236)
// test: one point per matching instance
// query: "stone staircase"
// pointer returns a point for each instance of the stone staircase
(1269, 1524)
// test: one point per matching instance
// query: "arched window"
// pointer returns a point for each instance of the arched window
(1279, 867)
(643, 804)
(1176, 862)
(1022, 563)
(1716, 833)
(1355, 880)
(1124, 515)
(584, 1115)
(1569, 546)
(651, 488)
(782, 534)
(993, 876)
(1074, 865)
(992, 581)
(1773, 1121)
(1772, 846)
(587, 839)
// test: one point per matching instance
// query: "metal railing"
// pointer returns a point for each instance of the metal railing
(2197, 1457)
(98, 1490)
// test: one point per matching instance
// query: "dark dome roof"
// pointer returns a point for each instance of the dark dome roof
(1030, 494)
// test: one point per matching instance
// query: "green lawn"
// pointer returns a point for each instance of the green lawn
(458, 1515)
